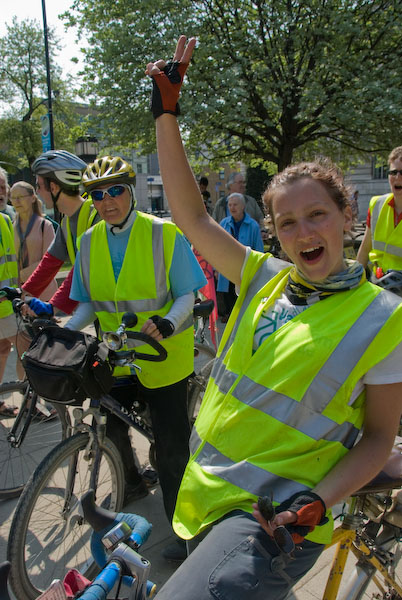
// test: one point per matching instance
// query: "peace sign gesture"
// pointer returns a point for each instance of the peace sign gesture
(167, 78)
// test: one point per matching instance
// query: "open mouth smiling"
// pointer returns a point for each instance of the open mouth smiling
(312, 254)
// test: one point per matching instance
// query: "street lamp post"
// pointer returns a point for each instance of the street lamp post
(150, 181)
(49, 88)
(87, 148)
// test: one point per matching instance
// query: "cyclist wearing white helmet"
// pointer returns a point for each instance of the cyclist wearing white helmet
(58, 178)
(132, 261)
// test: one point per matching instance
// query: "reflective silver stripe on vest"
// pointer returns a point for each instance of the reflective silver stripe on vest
(324, 386)
(195, 441)
(7, 258)
(389, 248)
(12, 281)
(85, 246)
(376, 212)
(298, 415)
(224, 379)
(141, 305)
(135, 343)
(252, 478)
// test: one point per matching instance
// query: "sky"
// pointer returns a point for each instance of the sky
(32, 9)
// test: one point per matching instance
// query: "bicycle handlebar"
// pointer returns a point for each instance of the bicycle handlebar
(11, 293)
(103, 520)
(104, 582)
(124, 560)
(144, 337)
(115, 340)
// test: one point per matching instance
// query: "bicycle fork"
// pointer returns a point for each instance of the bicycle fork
(72, 513)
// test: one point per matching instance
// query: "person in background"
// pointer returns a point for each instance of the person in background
(8, 323)
(244, 229)
(206, 196)
(237, 184)
(381, 248)
(5, 208)
(58, 179)
(33, 234)
(294, 409)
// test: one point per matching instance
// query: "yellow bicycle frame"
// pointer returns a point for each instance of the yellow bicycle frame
(347, 539)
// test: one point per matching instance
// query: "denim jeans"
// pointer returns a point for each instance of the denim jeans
(237, 560)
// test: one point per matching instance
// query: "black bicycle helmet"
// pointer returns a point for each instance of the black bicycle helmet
(392, 281)
(64, 168)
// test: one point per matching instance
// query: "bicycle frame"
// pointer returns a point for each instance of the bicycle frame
(347, 538)
(16, 436)
(96, 432)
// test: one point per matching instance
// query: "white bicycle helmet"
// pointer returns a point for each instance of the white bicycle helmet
(392, 281)
(64, 168)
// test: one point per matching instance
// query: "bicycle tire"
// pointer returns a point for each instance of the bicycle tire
(44, 541)
(360, 585)
(203, 362)
(18, 463)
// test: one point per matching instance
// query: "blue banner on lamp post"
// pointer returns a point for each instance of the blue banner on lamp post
(46, 139)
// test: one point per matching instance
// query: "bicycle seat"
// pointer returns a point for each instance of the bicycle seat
(203, 309)
(390, 477)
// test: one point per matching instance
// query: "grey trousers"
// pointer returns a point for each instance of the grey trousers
(237, 560)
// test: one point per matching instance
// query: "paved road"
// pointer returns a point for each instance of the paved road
(309, 588)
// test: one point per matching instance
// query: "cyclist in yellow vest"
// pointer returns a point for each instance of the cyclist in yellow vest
(8, 323)
(58, 179)
(132, 261)
(381, 247)
(309, 359)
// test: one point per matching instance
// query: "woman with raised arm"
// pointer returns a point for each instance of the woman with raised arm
(309, 359)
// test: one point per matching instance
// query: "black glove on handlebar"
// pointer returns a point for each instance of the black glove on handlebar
(10, 292)
(166, 328)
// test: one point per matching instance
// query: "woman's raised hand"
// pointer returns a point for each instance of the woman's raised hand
(167, 78)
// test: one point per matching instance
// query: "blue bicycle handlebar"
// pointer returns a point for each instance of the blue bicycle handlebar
(107, 578)
(141, 531)
(103, 583)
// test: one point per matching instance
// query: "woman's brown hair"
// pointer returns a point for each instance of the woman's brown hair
(323, 171)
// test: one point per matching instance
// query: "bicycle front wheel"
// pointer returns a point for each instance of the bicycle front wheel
(45, 431)
(48, 535)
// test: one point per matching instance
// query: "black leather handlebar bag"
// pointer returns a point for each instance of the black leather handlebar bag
(67, 366)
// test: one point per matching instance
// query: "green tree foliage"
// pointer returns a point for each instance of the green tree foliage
(271, 81)
(23, 88)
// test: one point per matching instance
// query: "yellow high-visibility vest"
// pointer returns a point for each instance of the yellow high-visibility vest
(143, 287)
(386, 239)
(278, 419)
(85, 219)
(8, 262)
